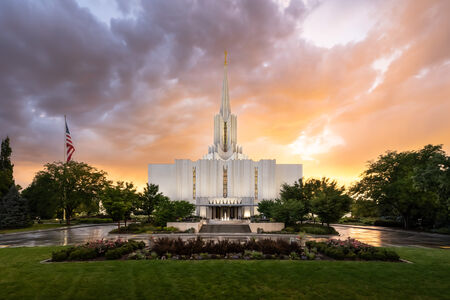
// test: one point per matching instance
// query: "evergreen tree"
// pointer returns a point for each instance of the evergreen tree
(6, 168)
(14, 210)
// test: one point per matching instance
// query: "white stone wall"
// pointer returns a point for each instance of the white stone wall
(176, 180)
(165, 176)
(266, 227)
(287, 173)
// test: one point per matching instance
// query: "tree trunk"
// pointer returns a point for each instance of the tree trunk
(68, 214)
(405, 222)
(118, 225)
(125, 221)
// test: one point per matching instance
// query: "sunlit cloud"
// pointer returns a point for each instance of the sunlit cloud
(309, 144)
(381, 65)
(339, 22)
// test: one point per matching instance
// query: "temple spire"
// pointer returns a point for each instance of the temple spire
(225, 109)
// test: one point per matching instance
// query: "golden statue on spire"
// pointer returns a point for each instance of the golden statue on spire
(225, 58)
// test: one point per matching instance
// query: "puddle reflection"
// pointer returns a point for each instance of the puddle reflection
(371, 237)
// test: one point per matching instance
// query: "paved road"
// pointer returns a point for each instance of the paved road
(371, 235)
(393, 237)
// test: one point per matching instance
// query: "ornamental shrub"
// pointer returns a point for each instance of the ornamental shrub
(61, 255)
(82, 253)
(113, 254)
(256, 255)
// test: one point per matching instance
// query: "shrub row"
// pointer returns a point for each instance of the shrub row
(124, 249)
(142, 228)
(314, 229)
(96, 249)
(93, 220)
(352, 250)
(196, 246)
(370, 221)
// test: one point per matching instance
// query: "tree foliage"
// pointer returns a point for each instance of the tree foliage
(75, 184)
(150, 198)
(289, 211)
(330, 202)
(320, 197)
(414, 185)
(6, 168)
(43, 202)
(170, 211)
(266, 208)
(119, 200)
(14, 210)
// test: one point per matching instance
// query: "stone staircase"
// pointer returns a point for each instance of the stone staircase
(225, 228)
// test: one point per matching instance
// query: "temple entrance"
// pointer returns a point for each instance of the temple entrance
(226, 213)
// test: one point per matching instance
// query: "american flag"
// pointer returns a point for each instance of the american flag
(70, 149)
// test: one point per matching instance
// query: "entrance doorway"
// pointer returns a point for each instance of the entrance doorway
(226, 212)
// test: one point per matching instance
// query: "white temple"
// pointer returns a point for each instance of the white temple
(225, 183)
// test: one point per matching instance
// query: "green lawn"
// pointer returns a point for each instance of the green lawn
(23, 277)
(31, 228)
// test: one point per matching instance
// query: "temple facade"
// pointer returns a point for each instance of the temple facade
(225, 184)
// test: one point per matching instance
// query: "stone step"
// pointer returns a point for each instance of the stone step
(225, 228)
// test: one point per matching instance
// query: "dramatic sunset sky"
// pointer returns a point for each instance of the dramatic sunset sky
(329, 84)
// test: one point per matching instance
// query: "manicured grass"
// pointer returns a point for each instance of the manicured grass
(23, 277)
(33, 227)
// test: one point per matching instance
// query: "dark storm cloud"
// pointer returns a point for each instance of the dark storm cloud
(57, 58)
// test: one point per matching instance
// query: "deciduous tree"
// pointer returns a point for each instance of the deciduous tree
(75, 184)
(330, 202)
(150, 198)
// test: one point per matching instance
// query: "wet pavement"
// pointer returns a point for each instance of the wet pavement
(77, 235)
(393, 237)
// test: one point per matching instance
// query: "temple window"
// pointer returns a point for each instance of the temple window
(225, 181)
(194, 181)
(225, 129)
(256, 182)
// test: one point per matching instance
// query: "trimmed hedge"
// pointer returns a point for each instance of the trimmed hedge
(92, 250)
(351, 250)
(144, 228)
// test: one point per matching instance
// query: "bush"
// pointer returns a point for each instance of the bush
(311, 229)
(387, 223)
(113, 254)
(93, 220)
(110, 249)
(222, 247)
(351, 250)
(62, 254)
(82, 253)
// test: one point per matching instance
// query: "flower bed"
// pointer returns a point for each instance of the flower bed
(198, 249)
(98, 250)
(351, 249)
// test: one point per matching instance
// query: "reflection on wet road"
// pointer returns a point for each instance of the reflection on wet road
(375, 237)
(56, 237)
(387, 237)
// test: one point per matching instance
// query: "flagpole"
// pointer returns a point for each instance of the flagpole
(64, 164)
(64, 148)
